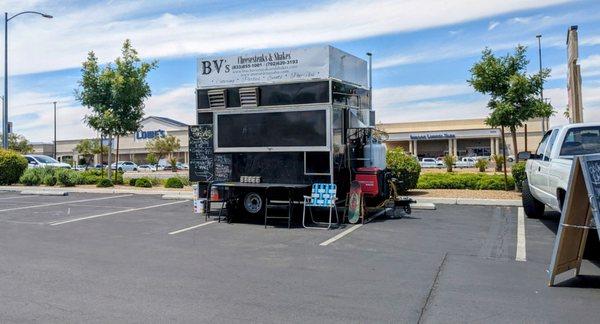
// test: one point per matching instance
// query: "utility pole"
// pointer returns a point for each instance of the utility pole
(539, 38)
(54, 129)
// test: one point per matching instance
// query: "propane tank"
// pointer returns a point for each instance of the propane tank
(374, 154)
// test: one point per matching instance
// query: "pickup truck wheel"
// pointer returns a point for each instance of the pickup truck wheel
(533, 207)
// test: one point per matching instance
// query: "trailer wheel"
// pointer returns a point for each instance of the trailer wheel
(253, 203)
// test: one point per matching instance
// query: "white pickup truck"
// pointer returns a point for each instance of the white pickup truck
(466, 162)
(548, 169)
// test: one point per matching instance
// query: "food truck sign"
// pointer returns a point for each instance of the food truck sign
(279, 66)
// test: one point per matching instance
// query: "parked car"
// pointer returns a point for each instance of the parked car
(548, 169)
(429, 163)
(146, 168)
(37, 161)
(124, 166)
(466, 162)
(182, 166)
(81, 167)
(100, 165)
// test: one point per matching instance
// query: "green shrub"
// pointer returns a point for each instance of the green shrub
(143, 183)
(104, 183)
(481, 164)
(518, 173)
(12, 166)
(498, 161)
(49, 180)
(449, 161)
(405, 168)
(473, 181)
(119, 177)
(66, 177)
(34, 176)
(132, 181)
(174, 183)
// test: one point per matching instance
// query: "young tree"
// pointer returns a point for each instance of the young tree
(152, 160)
(515, 95)
(163, 146)
(84, 148)
(115, 94)
(19, 143)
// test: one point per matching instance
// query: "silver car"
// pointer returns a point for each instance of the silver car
(124, 166)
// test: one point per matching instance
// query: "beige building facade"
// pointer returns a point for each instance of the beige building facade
(131, 147)
(464, 137)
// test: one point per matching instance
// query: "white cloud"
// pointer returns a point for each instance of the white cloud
(38, 44)
(590, 67)
(426, 102)
(591, 103)
(493, 24)
(389, 97)
(176, 103)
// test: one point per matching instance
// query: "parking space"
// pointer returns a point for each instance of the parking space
(136, 258)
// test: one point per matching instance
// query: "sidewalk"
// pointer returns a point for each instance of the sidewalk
(445, 197)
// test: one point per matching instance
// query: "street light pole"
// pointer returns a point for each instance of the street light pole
(5, 108)
(539, 38)
(54, 130)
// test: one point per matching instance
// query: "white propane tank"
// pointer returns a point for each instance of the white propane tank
(379, 151)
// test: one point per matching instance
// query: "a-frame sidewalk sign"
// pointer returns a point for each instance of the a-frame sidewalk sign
(580, 213)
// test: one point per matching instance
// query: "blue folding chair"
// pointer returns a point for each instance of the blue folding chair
(323, 195)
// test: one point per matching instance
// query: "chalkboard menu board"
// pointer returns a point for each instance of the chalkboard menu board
(591, 169)
(201, 153)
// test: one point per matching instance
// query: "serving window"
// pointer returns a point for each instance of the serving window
(272, 131)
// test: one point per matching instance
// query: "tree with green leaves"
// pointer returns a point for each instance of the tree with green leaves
(163, 146)
(19, 143)
(90, 147)
(515, 95)
(152, 160)
(115, 94)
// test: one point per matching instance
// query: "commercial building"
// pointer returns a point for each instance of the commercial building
(465, 137)
(131, 147)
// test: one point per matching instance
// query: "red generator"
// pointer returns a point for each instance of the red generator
(372, 182)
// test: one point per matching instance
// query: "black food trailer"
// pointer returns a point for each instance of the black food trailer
(271, 124)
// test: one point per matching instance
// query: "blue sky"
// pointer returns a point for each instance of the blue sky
(422, 50)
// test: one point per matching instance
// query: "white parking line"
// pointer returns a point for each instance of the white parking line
(191, 227)
(342, 234)
(521, 248)
(114, 213)
(15, 197)
(63, 203)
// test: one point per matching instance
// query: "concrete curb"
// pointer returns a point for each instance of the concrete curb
(187, 194)
(423, 206)
(100, 190)
(44, 192)
(468, 201)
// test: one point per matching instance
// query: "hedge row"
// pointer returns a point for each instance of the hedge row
(473, 181)
(62, 177)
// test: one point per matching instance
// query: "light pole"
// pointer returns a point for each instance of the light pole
(54, 130)
(539, 38)
(5, 108)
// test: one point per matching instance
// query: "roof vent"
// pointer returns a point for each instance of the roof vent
(249, 97)
(216, 98)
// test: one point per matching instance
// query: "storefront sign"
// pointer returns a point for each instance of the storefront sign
(432, 136)
(148, 135)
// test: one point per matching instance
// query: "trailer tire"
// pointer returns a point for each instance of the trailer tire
(253, 203)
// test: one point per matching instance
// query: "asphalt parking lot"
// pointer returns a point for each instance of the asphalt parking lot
(129, 258)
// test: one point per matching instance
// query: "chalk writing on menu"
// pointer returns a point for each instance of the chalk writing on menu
(593, 169)
(201, 153)
(222, 167)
